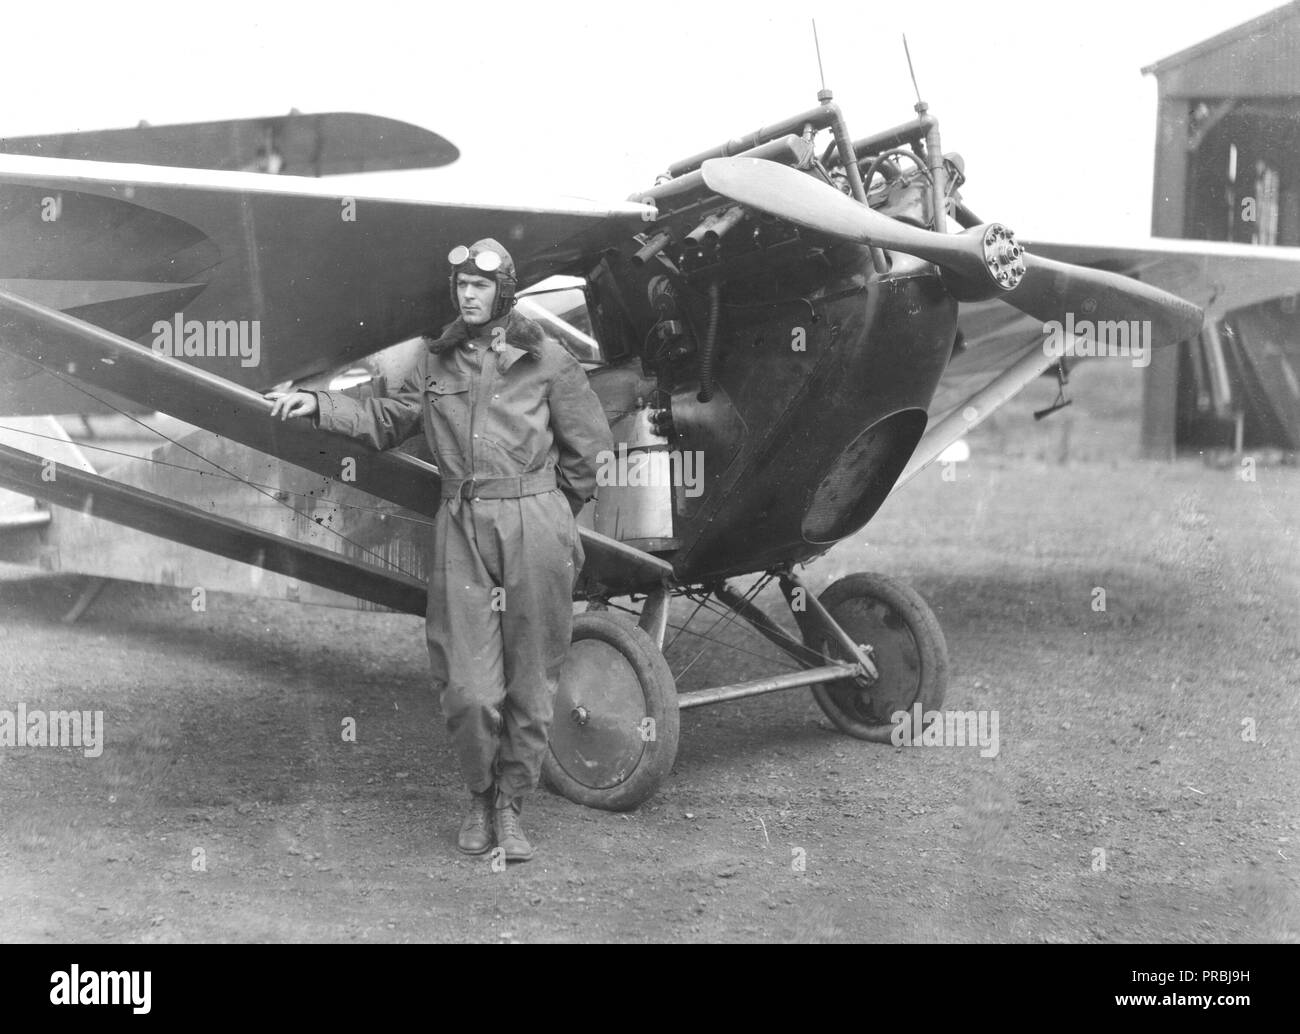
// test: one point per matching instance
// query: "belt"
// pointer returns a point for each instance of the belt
(534, 483)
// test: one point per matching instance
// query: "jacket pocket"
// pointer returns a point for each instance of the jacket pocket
(446, 420)
(440, 386)
(519, 456)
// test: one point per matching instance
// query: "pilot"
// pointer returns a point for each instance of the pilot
(516, 431)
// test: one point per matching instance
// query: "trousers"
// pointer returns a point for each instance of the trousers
(500, 616)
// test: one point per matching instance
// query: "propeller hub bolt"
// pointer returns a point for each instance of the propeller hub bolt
(1002, 257)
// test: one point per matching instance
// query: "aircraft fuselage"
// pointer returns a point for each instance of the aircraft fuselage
(820, 390)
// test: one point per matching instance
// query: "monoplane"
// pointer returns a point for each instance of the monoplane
(783, 330)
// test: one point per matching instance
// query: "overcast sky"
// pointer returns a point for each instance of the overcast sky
(1045, 100)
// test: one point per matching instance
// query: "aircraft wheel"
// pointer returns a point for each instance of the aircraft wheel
(908, 649)
(614, 736)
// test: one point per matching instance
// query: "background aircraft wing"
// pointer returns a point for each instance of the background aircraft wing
(325, 277)
(1219, 277)
(295, 145)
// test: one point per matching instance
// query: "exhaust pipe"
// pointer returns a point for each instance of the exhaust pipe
(652, 247)
(716, 226)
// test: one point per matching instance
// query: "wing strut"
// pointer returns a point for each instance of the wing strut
(83, 353)
(75, 350)
(962, 417)
(179, 522)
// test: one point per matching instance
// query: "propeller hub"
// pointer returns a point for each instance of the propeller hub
(1003, 257)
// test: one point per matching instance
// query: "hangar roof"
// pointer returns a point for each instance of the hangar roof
(1259, 58)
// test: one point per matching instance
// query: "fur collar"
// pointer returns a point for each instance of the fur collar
(521, 332)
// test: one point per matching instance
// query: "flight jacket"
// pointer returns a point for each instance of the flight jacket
(525, 406)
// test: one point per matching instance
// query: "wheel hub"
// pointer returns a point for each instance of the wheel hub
(602, 742)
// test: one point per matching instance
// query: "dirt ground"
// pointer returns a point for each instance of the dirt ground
(1145, 788)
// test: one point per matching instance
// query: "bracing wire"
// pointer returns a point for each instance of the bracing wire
(728, 618)
(270, 494)
(680, 629)
(218, 475)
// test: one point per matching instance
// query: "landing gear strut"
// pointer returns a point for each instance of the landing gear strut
(907, 651)
(871, 648)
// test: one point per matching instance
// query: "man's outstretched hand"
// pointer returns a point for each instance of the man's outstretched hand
(292, 403)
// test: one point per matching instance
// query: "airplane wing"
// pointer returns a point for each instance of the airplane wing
(322, 277)
(1004, 352)
(59, 341)
(92, 255)
(1219, 277)
(295, 145)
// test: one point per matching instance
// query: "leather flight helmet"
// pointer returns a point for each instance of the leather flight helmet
(489, 259)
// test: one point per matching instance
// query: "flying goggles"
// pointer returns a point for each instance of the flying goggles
(484, 261)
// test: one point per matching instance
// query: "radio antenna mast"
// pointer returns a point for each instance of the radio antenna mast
(912, 72)
(817, 43)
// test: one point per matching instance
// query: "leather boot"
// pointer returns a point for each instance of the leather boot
(510, 838)
(476, 831)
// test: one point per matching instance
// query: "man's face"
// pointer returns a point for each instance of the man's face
(475, 295)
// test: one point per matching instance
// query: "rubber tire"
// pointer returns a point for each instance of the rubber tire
(658, 686)
(929, 649)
